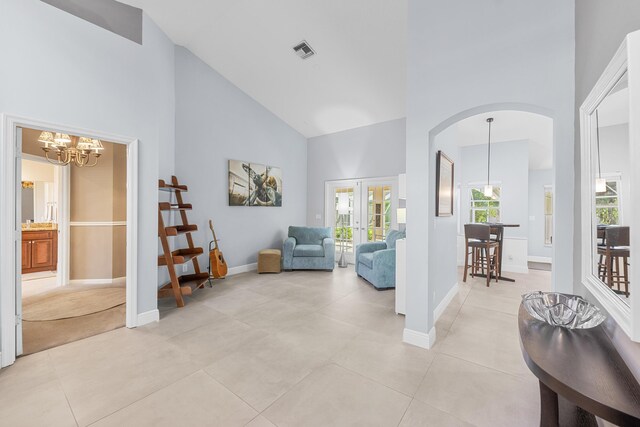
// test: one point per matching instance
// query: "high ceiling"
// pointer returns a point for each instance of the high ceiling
(356, 78)
(511, 126)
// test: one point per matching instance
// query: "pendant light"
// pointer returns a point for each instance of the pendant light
(488, 189)
(601, 183)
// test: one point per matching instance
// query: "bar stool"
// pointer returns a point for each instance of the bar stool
(615, 250)
(478, 246)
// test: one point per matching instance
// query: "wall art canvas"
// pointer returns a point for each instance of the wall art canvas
(254, 184)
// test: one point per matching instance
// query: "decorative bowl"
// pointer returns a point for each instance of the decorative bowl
(567, 311)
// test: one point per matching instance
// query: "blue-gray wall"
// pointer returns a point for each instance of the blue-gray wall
(509, 169)
(66, 70)
(215, 122)
(519, 51)
(370, 151)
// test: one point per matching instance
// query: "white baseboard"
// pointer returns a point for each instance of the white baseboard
(242, 269)
(445, 301)
(512, 268)
(542, 259)
(419, 339)
(148, 317)
(92, 282)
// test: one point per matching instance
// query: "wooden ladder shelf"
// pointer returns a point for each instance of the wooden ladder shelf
(179, 286)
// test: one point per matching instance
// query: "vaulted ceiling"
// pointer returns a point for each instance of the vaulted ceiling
(356, 78)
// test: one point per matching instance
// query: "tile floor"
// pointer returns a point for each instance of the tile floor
(294, 349)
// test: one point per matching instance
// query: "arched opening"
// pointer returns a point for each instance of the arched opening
(522, 176)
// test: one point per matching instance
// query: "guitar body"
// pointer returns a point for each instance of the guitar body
(219, 267)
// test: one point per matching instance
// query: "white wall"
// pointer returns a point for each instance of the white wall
(65, 70)
(215, 122)
(538, 179)
(371, 151)
(518, 52)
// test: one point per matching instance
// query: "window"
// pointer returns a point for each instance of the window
(608, 203)
(379, 212)
(483, 208)
(548, 215)
(344, 222)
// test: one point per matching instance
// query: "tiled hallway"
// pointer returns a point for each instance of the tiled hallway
(294, 349)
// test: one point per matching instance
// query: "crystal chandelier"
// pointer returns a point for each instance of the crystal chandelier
(65, 149)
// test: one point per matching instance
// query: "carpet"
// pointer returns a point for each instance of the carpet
(65, 304)
(70, 314)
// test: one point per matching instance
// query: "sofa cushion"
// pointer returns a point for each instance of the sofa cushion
(393, 236)
(308, 251)
(309, 235)
(367, 259)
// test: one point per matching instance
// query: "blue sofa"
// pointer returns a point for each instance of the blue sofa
(376, 261)
(309, 248)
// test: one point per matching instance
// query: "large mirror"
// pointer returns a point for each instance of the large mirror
(610, 187)
(610, 173)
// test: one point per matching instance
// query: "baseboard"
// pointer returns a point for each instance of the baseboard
(542, 259)
(242, 269)
(515, 268)
(445, 301)
(90, 282)
(419, 339)
(148, 317)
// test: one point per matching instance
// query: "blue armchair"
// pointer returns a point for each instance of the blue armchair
(309, 248)
(376, 261)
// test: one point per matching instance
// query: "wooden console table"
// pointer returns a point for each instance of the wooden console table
(581, 375)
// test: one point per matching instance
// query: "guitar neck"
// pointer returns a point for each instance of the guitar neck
(215, 239)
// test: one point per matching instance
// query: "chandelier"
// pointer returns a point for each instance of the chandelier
(79, 151)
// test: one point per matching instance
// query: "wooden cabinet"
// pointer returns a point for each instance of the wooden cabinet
(39, 251)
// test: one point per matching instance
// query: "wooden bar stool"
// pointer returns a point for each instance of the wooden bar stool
(478, 246)
(615, 251)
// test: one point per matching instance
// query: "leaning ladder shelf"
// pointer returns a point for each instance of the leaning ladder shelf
(179, 286)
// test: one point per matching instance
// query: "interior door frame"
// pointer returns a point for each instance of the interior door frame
(63, 189)
(9, 235)
(360, 195)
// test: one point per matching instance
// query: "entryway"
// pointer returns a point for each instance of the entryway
(72, 241)
(359, 211)
(73, 217)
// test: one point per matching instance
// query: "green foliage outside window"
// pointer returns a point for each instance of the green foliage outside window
(608, 205)
(483, 208)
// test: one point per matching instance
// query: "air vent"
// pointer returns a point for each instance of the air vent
(303, 50)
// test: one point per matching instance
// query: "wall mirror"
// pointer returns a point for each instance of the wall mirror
(609, 188)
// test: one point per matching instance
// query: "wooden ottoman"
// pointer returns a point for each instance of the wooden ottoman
(269, 261)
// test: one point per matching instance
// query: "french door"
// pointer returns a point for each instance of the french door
(360, 211)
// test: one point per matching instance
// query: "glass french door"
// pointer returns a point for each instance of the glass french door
(360, 211)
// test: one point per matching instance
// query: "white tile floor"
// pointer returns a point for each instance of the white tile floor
(294, 349)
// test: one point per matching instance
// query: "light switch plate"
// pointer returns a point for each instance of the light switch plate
(318, 216)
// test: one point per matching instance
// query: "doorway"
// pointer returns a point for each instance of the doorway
(12, 321)
(89, 298)
(360, 211)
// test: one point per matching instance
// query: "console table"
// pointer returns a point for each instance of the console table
(581, 375)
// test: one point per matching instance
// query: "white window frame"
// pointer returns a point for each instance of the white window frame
(617, 177)
(480, 186)
(547, 188)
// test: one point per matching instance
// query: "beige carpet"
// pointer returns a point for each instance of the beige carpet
(65, 315)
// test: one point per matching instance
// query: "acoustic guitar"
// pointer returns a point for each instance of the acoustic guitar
(218, 264)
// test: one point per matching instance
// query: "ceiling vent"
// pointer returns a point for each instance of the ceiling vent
(303, 50)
